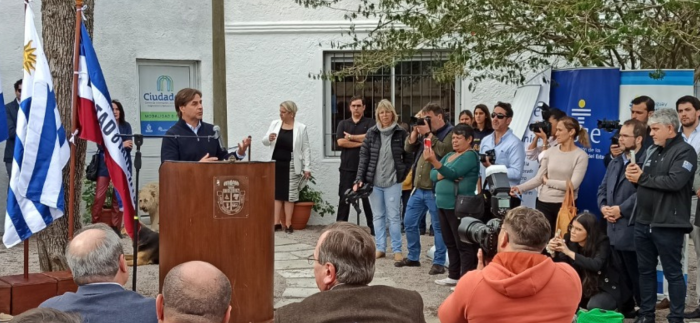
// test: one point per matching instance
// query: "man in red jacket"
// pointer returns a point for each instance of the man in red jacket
(520, 284)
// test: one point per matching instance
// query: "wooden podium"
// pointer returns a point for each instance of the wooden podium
(222, 213)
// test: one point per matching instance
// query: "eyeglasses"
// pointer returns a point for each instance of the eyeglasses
(311, 259)
(498, 115)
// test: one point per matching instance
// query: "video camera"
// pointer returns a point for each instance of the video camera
(474, 231)
(352, 197)
(611, 126)
(543, 125)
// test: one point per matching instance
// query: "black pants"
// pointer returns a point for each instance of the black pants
(628, 260)
(462, 255)
(665, 244)
(550, 211)
(405, 195)
(346, 182)
(602, 300)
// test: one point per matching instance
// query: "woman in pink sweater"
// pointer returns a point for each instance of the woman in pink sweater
(559, 165)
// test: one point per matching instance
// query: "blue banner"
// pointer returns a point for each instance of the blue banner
(589, 95)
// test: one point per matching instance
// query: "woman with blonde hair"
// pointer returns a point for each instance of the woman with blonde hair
(289, 143)
(384, 164)
(561, 164)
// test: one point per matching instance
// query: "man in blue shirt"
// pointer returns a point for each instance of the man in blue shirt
(509, 150)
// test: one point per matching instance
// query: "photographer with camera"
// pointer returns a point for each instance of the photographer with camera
(544, 131)
(431, 132)
(455, 175)
(642, 108)
(384, 164)
(520, 284)
(502, 147)
(587, 249)
(662, 212)
(560, 165)
(616, 200)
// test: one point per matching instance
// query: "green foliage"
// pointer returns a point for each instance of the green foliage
(88, 196)
(507, 39)
(321, 206)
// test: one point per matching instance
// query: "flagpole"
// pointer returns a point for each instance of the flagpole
(26, 242)
(74, 118)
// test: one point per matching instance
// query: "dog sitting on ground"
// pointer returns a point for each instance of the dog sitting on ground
(149, 248)
(148, 202)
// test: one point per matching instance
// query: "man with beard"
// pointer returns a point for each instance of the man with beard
(642, 108)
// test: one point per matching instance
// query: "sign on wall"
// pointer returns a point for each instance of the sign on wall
(159, 81)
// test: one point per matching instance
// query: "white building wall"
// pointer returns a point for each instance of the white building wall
(272, 46)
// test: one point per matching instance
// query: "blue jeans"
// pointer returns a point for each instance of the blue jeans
(420, 201)
(667, 244)
(386, 205)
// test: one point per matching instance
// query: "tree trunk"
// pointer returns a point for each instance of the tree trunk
(58, 17)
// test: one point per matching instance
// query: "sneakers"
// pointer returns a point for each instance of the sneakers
(398, 257)
(407, 263)
(436, 270)
(379, 254)
(692, 315)
(447, 282)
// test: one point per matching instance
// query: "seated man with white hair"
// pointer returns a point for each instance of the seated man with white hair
(344, 266)
(96, 258)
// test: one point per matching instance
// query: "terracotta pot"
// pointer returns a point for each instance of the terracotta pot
(301, 214)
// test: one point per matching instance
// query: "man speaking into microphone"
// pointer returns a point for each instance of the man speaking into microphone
(198, 140)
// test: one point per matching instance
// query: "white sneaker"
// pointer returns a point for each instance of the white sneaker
(447, 282)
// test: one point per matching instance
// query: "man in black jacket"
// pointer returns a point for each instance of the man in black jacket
(11, 110)
(662, 212)
(642, 108)
(189, 147)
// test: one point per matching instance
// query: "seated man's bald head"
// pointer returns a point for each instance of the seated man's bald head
(196, 291)
(94, 255)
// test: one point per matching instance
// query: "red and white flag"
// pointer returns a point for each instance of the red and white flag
(97, 124)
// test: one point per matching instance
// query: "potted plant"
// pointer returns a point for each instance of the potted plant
(309, 199)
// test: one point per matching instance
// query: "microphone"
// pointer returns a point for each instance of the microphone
(217, 135)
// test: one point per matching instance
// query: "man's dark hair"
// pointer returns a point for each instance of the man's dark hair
(434, 108)
(17, 84)
(505, 106)
(357, 97)
(639, 130)
(556, 114)
(193, 302)
(689, 99)
(648, 102)
(42, 314)
(183, 97)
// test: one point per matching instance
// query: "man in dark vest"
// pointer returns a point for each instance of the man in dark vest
(11, 110)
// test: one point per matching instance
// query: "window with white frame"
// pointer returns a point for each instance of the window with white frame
(409, 86)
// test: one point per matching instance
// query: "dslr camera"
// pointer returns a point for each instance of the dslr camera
(491, 154)
(610, 126)
(353, 197)
(474, 231)
(543, 125)
(420, 121)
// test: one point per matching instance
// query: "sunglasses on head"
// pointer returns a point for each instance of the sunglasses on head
(498, 115)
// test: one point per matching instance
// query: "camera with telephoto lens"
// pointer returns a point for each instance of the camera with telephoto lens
(610, 126)
(543, 125)
(420, 121)
(491, 154)
(474, 231)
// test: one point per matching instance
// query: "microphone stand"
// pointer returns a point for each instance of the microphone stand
(138, 141)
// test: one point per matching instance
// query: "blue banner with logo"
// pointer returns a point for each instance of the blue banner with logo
(589, 95)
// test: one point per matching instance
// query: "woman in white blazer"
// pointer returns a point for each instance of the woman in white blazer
(289, 145)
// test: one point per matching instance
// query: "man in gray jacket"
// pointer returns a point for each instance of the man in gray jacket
(616, 200)
(662, 212)
(96, 258)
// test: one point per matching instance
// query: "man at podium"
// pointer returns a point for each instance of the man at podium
(198, 140)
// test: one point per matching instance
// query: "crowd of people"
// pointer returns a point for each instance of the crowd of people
(647, 200)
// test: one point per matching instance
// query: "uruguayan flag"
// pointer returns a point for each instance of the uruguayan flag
(35, 198)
